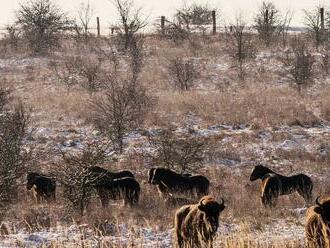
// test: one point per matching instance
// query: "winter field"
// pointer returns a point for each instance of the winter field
(244, 112)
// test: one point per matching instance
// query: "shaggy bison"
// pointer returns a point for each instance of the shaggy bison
(43, 186)
(125, 188)
(274, 185)
(196, 225)
(115, 185)
(170, 182)
(317, 228)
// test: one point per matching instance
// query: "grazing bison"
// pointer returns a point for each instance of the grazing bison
(43, 186)
(126, 188)
(274, 185)
(196, 225)
(170, 182)
(317, 228)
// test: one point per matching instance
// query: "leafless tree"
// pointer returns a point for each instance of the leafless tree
(120, 109)
(182, 73)
(75, 176)
(85, 14)
(267, 22)
(285, 26)
(240, 44)
(184, 154)
(314, 25)
(41, 22)
(131, 22)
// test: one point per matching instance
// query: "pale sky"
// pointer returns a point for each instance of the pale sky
(155, 8)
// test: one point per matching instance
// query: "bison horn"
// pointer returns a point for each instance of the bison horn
(317, 201)
(222, 202)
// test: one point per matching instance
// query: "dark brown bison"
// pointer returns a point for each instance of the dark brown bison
(317, 228)
(274, 185)
(196, 225)
(43, 186)
(126, 188)
(170, 182)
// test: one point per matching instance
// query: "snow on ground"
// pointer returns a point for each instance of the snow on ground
(125, 236)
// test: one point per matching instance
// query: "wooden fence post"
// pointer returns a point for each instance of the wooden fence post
(214, 21)
(98, 26)
(322, 18)
(162, 24)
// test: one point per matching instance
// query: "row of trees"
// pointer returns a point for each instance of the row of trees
(41, 22)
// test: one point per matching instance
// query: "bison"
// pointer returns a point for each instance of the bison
(317, 228)
(196, 225)
(274, 185)
(43, 186)
(126, 188)
(170, 182)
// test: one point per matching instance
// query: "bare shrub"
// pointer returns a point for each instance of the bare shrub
(131, 22)
(184, 154)
(299, 63)
(75, 176)
(267, 22)
(314, 25)
(284, 27)
(175, 32)
(80, 70)
(41, 22)
(13, 154)
(182, 73)
(241, 45)
(120, 109)
(13, 36)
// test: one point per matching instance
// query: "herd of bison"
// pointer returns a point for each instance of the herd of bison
(196, 224)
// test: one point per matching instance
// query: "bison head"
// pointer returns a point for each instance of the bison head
(323, 208)
(212, 210)
(258, 172)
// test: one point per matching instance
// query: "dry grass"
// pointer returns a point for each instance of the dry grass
(256, 105)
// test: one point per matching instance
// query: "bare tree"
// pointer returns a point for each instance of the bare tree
(41, 22)
(285, 26)
(182, 73)
(77, 179)
(267, 22)
(241, 45)
(85, 14)
(184, 154)
(119, 110)
(314, 25)
(131, 22)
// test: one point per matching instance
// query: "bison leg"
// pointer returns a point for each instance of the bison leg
(104, 197)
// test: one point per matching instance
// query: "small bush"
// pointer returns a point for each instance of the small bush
(182, 73)
(184, 154)
(299, 63)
